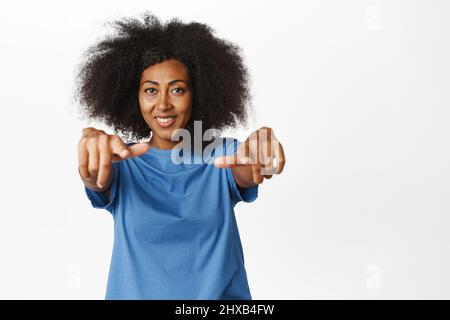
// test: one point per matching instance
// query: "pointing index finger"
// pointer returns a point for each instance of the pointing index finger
(119, 148)
(230, 161)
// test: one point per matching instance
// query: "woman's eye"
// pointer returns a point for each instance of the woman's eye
(178, 90)
(175, 90)
(150, 90)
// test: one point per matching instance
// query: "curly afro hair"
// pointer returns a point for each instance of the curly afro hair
(108, 78)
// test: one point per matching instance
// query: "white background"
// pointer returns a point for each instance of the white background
(358, 92)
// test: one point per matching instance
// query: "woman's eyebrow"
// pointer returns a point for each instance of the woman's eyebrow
(157, 84)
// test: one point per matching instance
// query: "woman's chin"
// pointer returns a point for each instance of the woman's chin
(164, 134)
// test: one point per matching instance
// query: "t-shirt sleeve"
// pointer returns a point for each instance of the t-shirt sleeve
(239, 194)
(99, 199)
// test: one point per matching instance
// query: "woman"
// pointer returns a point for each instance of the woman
(175, 233)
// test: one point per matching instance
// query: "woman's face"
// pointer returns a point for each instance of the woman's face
(165, 99)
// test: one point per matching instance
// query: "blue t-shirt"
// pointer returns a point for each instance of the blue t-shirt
(175, 232)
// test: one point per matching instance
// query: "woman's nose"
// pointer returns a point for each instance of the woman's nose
(163, 103)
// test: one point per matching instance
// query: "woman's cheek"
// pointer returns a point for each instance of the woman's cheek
(146, 104)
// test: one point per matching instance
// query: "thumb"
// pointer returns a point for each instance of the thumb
(138, 149)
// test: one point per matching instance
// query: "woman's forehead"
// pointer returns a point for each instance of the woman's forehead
(165, 71)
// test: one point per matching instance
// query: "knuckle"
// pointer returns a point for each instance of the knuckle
(86, 130)
(115, 140)
(113, 137)
(83, 169)
(97, 133)
(102, 138)
(83, 166)
(93, 169)
(93, 133)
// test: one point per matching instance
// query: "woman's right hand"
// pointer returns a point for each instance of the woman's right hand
(97, 151)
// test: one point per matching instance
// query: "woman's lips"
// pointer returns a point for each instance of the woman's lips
(165, 122)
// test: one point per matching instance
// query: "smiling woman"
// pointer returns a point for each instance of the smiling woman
(165, 99)
(175, 232)
(109, 77)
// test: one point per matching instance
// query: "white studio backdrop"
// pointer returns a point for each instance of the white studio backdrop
(358, 92)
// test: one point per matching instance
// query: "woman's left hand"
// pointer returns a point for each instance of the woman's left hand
(257, 158)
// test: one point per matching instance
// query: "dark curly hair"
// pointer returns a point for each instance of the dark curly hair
(108, 78)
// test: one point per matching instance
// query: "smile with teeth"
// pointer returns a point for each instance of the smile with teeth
(165, 121)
